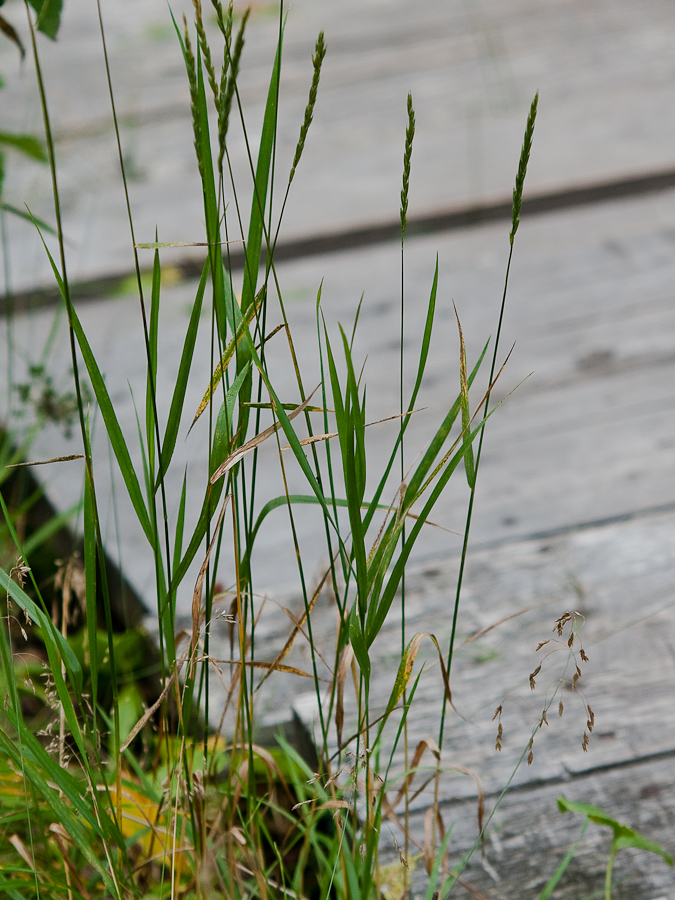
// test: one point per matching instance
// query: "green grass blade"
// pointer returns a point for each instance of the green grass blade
(560, 871)
(349, 417)
(180, 388)
(114, 431)
(261, 185)
(180, 524)
(219, 452)
(90, 589)
(151, 387)
(437, 442)
(83, 828)
(257, 223)
(378, 613)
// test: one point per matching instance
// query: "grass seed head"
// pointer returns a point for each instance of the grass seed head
(228, 83)
(206, 50)
(407, 154)
(317, 60)
(522, 168)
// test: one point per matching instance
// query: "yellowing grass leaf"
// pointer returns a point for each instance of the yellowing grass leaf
(406, 666)
(466, 414)
(230, 351)
(143, 821)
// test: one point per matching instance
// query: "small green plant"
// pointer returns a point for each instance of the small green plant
(622, 837)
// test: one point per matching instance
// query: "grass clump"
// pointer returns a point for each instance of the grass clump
(122, 793)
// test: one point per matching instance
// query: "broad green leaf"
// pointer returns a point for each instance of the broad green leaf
(24, 143)
(624, 835)
(48, 16)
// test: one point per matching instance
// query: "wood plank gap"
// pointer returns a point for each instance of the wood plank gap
(558, 531)
(568, 778)
(454, 219)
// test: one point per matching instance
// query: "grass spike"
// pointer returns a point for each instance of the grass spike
(522, 168)
(407, 154)
(317, 61)
(228, 82)
(191, 67)
(206, 50)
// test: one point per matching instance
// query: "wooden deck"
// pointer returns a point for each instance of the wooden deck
(576, 499)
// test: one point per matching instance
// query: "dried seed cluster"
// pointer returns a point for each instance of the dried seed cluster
(566, 628)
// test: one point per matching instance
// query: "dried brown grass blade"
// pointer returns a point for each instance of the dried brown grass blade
(62, 839)
(46, 462)
(429, 744)
(199, 586)
(238, 454)
(432, 820)
(344, 664)
(297, 624)
(289, 643)
(20, 848)
(488, 628)
(260, 664)
(143, 721)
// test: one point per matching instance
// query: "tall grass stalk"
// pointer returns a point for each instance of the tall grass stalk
(170, 804)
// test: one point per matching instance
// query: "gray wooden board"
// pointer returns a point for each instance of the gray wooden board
(529, 837)
(619, 577)
(588, 436)
(605, 73)
(622, 578)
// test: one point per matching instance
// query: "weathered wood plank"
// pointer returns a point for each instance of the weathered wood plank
(620, 578)
(530, 837)
(605, 75)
